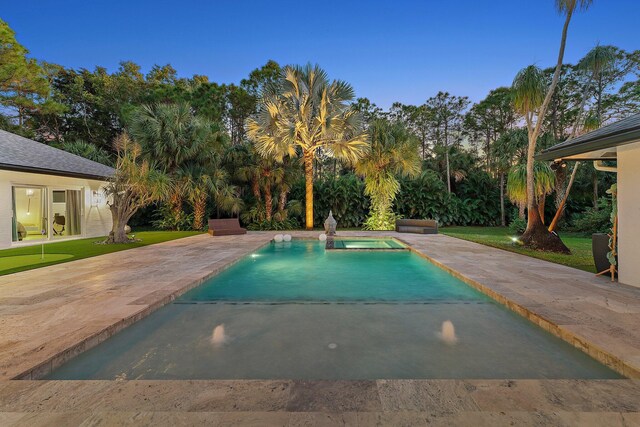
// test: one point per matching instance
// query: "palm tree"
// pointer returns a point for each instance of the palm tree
(88, 151)
(198, 184)
(599, 60)
(517, 185)
(174, 136)
(394, 152)
(506, 150)
(530, 101)
(305, 112)
(270, 181)
(263, 174)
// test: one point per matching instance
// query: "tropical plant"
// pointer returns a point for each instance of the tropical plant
(188, 148)
(198, 184)
(517, 185)
(509, 148)
(305, 112)
(394, 153)
(599, 60)
(594, 220)
(163, 218)
(531, 101)
(135, 184)
(88, 151)
(269, 182)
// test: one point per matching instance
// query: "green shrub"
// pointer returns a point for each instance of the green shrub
(287, 224)
(592, 220)
(343, 195)
(166, 219)
(478, 201)
(383, 221)
(518, 225)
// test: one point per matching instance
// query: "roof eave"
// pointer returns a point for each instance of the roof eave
(593, 145)
(18, 168)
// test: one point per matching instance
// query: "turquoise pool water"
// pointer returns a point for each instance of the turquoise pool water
(293, 310)
(305, 271)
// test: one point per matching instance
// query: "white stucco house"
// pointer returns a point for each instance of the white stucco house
(47, 194)
(619, 142)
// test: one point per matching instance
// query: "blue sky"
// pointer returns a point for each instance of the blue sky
(388, 50)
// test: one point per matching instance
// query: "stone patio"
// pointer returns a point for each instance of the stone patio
(50, 314)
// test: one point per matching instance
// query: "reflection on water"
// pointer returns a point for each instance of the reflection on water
(448, 333)
(218, 338)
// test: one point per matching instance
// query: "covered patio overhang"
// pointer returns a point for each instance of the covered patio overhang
(618, 142)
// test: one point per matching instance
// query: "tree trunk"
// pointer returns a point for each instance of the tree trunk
(255, 187)
(595, 191)
(536, 236)
(268, 202)
(199, 211)
(308, 186)
(541, 204)
(503, 219)
(117, 234)
(446, 156)
(561, 178)
(176, 204)
(282, 200)
(521, 208)
(563, 202)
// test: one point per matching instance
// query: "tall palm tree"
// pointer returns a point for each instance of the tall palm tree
(530, 100)
(304, 113)
(517, 185)
(597, 61)
(394, 152)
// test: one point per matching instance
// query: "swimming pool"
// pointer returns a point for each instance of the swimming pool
(295, 310)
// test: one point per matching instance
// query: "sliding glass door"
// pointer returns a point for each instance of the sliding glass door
(66, 208)
(29, 220)
(41, 213)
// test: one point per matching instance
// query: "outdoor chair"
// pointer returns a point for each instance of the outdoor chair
(60, 221)
(420, 226)
(225, 227)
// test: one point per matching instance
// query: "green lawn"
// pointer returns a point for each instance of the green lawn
(27, 258)
(500, 237)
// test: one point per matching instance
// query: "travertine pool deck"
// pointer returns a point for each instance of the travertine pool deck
(50, 314)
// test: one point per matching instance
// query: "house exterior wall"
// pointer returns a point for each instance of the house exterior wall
(96, 217)
(629, 214)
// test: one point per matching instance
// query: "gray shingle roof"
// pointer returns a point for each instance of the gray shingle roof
(23, 154)
(619, 133)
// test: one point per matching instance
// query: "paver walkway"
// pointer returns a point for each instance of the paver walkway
(475, 403)
(50, 314)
